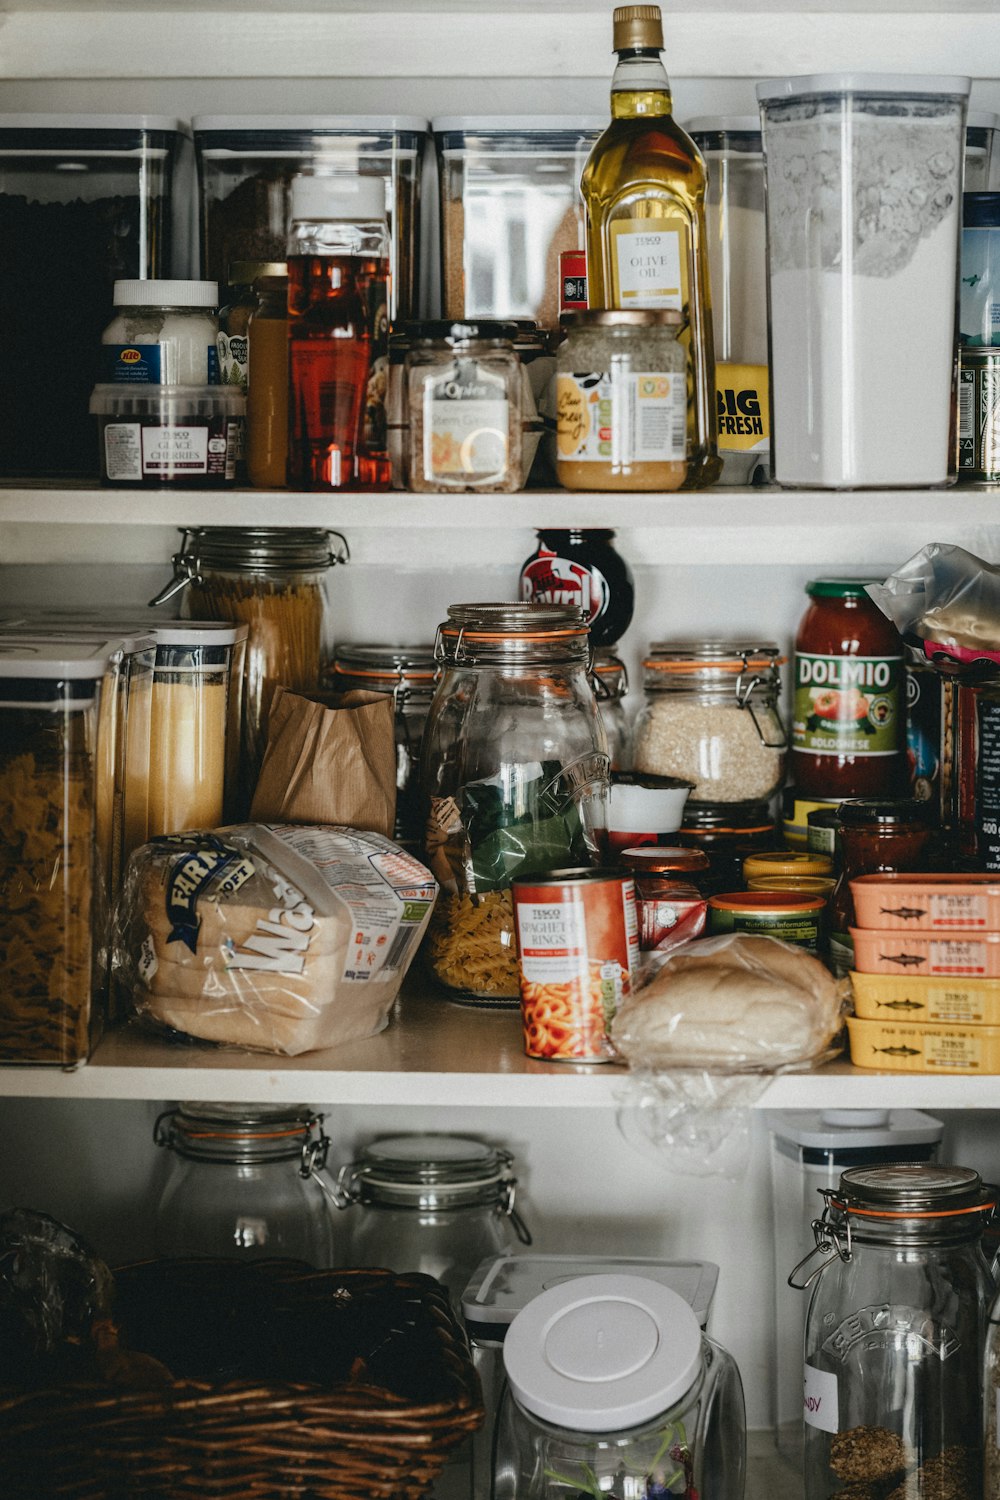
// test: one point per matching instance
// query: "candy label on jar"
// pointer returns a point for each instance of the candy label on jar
(621, 419)
(820, 1399)
(847, 705)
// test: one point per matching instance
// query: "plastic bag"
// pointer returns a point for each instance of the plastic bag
(946, 602)
(282, 938)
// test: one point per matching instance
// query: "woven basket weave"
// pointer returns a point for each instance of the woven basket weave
(320, 1385)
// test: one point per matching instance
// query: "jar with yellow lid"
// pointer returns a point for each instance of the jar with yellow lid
(785, 864)
(803, 885)
(621, 401)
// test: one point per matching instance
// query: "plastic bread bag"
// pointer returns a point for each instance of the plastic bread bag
(946, 602)
(277, 937)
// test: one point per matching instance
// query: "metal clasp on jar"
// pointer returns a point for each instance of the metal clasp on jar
(313, 1161)
(832, 1241)
(744, 695)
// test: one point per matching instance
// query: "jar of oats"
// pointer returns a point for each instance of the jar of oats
(464, 398)
(711, 714)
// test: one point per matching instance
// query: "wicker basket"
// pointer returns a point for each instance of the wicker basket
(289, 1384)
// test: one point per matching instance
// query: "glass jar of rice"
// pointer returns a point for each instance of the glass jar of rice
(711, 714)
(514, 773)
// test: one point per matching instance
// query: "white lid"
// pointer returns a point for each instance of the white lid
(166, 294)
(91, 122)
(502, 1285)
(714, 124)
(523, 124)
(34, 658)
(982, 119)
(38, 632)
(862, 83)
(854, 1129)
(603, 1354)
(153, 632)
(341, 195)
(315, 124)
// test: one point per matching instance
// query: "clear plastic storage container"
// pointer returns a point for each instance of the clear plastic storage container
(982, 151)
(510, 204)
(85, 200)
(246, 164)
(169, 434)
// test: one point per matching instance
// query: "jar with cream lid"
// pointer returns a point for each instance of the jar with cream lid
(163, 333)
(621, 401)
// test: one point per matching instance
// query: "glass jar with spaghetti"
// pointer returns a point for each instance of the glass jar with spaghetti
(409, 673)
(514, 775)
(273, 579)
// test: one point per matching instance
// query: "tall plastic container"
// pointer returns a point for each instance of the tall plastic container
(982, 152)
(864, 211)
(809, 1150)
(85, 200)
(245, 168)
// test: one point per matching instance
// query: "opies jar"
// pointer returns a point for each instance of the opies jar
(514, 773)
(621, 399)
(711, 715)
(464, 391)
(894, 1333)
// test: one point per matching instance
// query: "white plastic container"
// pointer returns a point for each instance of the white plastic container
(864, 209)
(162, 333)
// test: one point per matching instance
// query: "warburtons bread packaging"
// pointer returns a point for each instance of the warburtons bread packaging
(278, 937)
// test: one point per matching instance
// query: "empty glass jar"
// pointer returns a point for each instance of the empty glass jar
(245, 1180)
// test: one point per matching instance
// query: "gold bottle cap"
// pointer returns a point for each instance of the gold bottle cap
(637, 26)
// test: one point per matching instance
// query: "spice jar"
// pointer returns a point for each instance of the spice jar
(163, 333)
(439, 1204)
(875, 838)
(894, 1332)
(267, 398)
(464, 395)
(273, 580)
(610, 678)
(621, 401)
(670, 906)
(409, 673)
(613, 1389)
(711, 714)
(246, 1180)
(514, 770)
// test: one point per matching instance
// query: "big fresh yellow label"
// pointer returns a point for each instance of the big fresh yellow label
(743, 412)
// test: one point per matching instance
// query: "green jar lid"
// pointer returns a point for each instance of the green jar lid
(839, 588)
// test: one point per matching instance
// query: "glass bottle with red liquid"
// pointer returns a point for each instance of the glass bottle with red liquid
(338, 333)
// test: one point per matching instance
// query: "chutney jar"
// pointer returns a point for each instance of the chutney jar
(514, 771)
(895, 1332)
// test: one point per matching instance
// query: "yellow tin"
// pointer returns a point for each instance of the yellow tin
(926, 998)
(907, 1047)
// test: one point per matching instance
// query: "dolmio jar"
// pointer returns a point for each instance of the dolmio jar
(849, 728)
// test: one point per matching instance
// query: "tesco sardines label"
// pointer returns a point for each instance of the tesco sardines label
(847, 705)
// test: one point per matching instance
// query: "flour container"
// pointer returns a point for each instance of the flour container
(864, 210)
(809, 1150)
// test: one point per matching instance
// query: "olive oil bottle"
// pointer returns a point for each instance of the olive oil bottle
(644, 191)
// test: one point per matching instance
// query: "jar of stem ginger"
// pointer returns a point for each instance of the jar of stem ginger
(621, 401)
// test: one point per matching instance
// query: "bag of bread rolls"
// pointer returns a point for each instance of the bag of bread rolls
(282, 938)
(734, 1003)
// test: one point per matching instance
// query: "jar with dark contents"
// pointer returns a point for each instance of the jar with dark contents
(669, 903)
(823, 833)
(727, 832)
(582, 567)
(877, 837)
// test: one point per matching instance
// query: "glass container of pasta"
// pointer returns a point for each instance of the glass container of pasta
(53, 899)
(273, 580)
(514, 773)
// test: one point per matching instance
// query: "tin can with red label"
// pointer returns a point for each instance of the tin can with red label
(577, 947)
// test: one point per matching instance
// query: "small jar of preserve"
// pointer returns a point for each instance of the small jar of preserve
(876, 838)
(849, 720)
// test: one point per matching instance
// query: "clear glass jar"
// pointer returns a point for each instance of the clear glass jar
(613, 1390)
(245, 1180)
(409, 673)
(610, 678)
(711, 714)
(464, 396)
(621, 401)
(273, 580)
(514, 775)
(895, 1332)
(440, 1204)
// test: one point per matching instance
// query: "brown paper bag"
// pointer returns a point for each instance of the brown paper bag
(329, 759)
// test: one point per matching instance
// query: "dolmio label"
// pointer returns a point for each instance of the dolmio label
(847, 705)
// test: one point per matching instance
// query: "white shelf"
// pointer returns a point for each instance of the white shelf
(437, 1053)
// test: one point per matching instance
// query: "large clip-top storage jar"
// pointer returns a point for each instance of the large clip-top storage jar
(894, 1332)
(711, 715)
(245, 1180)
(514, 773)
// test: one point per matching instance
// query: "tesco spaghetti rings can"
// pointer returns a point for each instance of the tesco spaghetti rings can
(577, 947)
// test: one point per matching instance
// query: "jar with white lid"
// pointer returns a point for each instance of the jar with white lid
(612, 1389)
(163, 333)
(711, 714)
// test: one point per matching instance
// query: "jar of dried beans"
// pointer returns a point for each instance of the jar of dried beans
(711, 715)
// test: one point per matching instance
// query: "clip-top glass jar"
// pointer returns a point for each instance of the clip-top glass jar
(273, 579)
(409, 673)
(610, 679)
(894, 1333)
(434, 1203)
(465, 398)
(245, 1180)
(614, 1390)
(711, 715)
(514, 772)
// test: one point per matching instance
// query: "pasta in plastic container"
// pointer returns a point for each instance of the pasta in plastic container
(277, 937)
